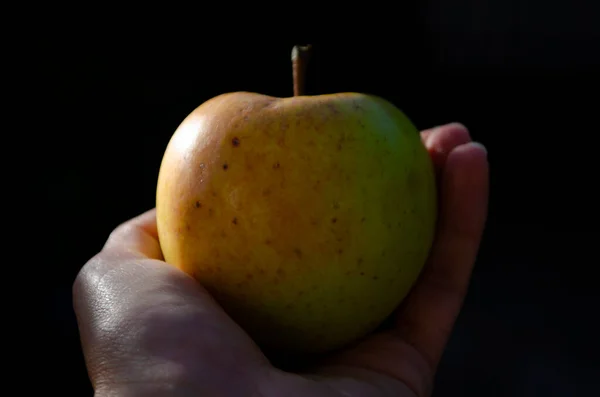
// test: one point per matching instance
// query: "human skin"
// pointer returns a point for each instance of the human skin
(149, 329)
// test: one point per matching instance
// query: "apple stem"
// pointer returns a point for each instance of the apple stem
(300, 55)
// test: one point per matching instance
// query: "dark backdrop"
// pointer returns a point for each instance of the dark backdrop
(527, 88)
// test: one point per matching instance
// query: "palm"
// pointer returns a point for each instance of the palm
(178, 341)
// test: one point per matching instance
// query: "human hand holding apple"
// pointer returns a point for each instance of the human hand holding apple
(149, 329)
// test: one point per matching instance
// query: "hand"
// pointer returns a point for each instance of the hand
(148, 329)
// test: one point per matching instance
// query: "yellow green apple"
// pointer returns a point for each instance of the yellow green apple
(308, 218)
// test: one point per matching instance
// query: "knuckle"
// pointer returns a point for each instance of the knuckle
(119, 232)
(88, 272)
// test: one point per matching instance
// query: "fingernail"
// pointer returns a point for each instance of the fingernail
(481, 146)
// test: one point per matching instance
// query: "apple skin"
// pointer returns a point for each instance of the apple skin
(307, 218)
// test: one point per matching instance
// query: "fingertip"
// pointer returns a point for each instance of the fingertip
(137, 235)
(471, 152)
(447, 137)
(465, 186)
(481, 147)
(440, 141)
(449, 126)
(147, 221)
(456, 126)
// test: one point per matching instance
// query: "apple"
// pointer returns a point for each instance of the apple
(308, 218)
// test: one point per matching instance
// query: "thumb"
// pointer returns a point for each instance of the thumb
(144, 322)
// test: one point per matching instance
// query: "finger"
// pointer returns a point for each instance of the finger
(137, 236)
(464, 189)
(428, 315)
(440, 141)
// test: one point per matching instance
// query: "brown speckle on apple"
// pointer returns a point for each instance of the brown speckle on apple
(333, 109)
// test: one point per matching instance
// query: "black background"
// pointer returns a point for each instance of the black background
(526, 87)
